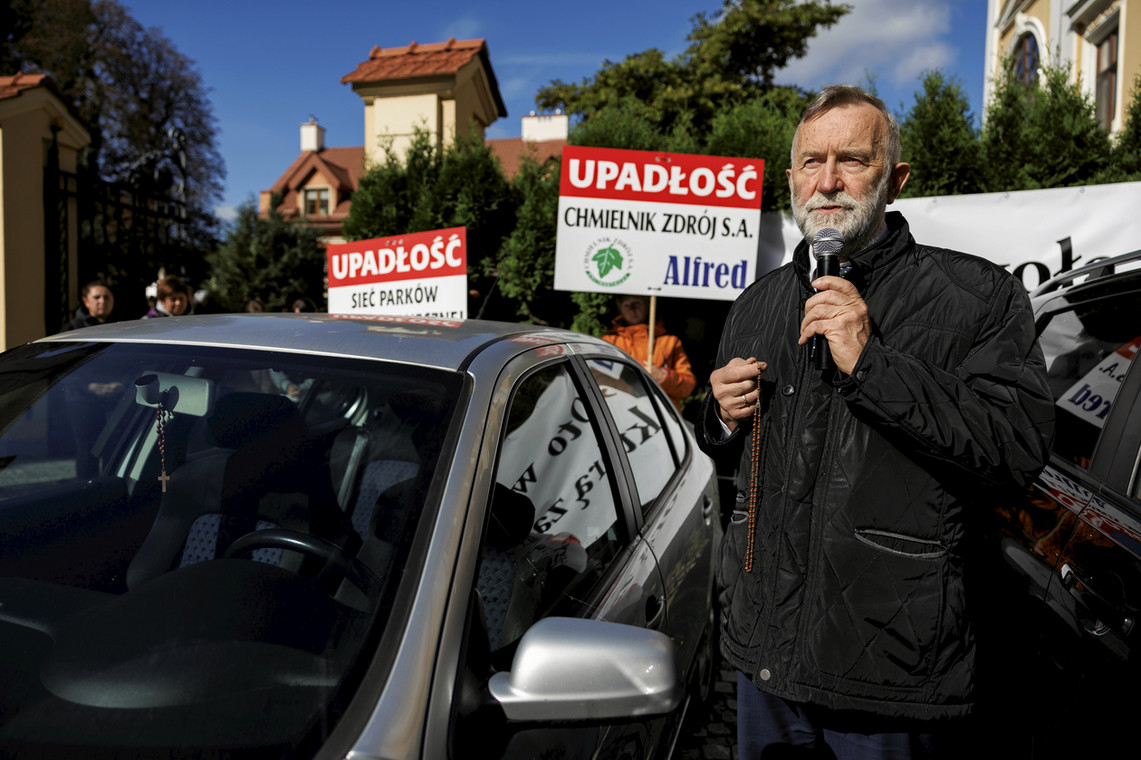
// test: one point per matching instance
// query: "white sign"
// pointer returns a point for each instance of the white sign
(668, 224)
(1091, 397)
(1036, 234)
(421, 274)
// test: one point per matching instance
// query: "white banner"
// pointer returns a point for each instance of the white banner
(1037, 234)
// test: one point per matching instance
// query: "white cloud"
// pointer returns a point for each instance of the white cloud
(937, 55)
(226, 213)
(894, 39)
(462, 29)
(516, 87)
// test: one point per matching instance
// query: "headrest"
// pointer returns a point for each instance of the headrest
(244, 419)
(421, 409)
(512, 514)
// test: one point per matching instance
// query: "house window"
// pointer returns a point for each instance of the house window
(317, 202)
(1107, 80)
(1026, 59)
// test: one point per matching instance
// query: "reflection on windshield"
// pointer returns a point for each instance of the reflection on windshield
(195, 544)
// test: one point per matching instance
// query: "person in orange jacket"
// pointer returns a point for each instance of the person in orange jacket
(631, 333)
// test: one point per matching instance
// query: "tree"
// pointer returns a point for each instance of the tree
(1125, 161)
(1042, 135)
(732, 58)
(144, 103)
(461, 186)
(524, 270)
(940, 141)
(762, 128)
(266, 258)
(715, 98)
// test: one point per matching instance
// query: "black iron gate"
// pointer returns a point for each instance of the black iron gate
(127, 232)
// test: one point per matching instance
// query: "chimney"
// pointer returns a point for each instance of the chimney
(312, 136)
(548, 126)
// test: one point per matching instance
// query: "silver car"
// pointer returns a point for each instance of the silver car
(347, 537)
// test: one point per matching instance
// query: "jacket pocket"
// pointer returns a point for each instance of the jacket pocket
(904, 546)
(730, 558)
(881, 614)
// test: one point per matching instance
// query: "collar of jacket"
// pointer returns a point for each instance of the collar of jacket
(618, 326)
(891, 245)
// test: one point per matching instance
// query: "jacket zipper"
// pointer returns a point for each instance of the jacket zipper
(770, 595)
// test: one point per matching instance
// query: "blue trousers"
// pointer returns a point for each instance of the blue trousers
(771, 728)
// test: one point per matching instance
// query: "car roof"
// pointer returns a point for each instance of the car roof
(443, 343)
(1125, 264)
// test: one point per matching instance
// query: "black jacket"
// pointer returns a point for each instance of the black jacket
(856, 600)
(80, 320)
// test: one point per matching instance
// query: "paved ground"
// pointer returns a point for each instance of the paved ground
(712, 734)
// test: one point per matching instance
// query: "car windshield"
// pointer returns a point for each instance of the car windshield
(199, 545)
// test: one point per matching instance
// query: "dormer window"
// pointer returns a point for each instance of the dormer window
(316, 201)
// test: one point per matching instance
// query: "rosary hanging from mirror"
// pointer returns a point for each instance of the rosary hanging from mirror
(162, 416)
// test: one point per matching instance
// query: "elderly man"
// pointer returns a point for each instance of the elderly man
(844, 571)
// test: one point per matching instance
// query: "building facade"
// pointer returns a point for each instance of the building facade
(444, 88)
(40, 136)
(1100, 40)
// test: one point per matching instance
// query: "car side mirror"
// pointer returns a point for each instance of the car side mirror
(569, 669)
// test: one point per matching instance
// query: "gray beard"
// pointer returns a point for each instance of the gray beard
(860, 222)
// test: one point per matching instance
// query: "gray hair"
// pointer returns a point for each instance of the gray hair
(838, 95)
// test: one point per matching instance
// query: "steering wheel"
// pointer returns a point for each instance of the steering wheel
(334, 556)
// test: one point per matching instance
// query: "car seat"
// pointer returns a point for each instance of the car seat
(261, 473)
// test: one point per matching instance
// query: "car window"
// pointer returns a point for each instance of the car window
(553, 520)
(194, 559)
(649, 437)
(1088, 351)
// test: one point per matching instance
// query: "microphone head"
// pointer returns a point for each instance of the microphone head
(827, 240)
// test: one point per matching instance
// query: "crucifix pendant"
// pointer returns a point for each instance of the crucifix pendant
(160, 425)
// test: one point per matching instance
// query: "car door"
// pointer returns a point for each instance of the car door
(1096, 587)
(1077, 540)
(557, 538)
(674, 491)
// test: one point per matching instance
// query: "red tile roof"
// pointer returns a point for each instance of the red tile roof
(341, 167)
(415, 60)
(511, 151)
(10, 86)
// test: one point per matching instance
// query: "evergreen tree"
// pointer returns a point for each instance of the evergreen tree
(525, 267)
(462, 186)
(940, 141)
(1125, 158)
(269, 259)
(1042, 135)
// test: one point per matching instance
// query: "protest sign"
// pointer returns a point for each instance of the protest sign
(668, 224)
(421, 274)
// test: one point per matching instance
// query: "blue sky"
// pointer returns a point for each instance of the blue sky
(268, 66)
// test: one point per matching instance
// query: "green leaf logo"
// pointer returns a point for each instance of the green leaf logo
(607, 259)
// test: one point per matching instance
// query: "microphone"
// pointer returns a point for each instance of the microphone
(826, 247)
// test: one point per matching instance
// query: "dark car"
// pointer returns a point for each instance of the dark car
(277, 536)
(1069, 579)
